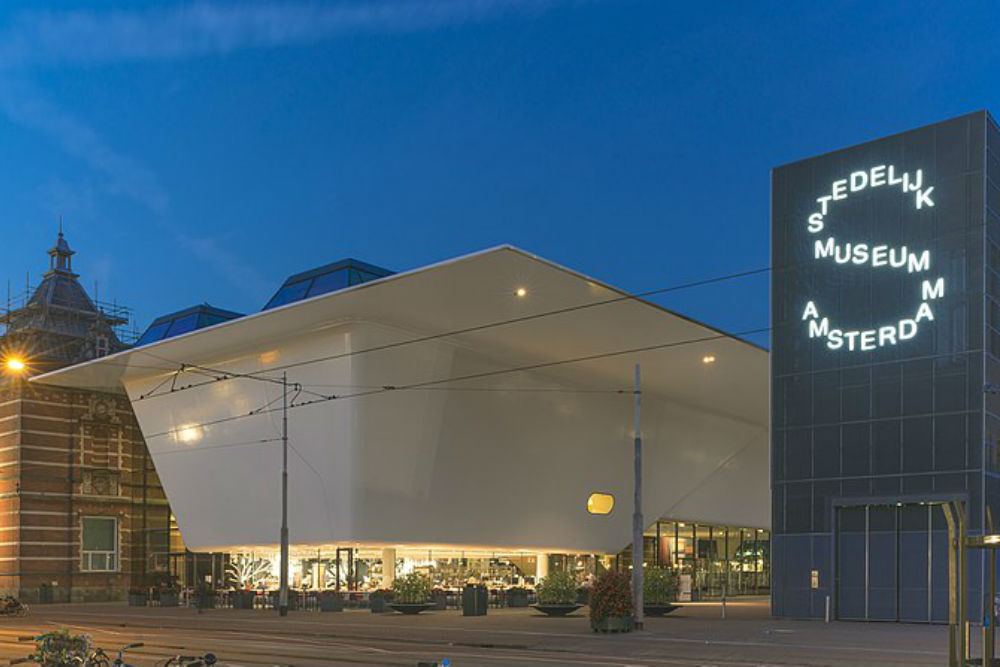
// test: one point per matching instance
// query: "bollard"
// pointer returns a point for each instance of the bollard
(723, 602)
(826, 616)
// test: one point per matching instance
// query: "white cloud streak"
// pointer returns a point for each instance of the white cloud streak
(176, 32)
(122, 175)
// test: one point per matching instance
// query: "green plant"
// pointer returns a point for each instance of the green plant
(659, 586)
(611, 597)
(557, 588)
(414, 588)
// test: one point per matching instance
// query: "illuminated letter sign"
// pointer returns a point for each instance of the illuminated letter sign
(828, 248)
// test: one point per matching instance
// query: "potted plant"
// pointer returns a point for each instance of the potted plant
(331, 601)
(659, 591)
(611, 603)
(169, 596)
(557, 594)
(412, 594)
(137, 597)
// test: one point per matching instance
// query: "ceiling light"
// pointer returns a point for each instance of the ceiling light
(708, 359)
(521, 292)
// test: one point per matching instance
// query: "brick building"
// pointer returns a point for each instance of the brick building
(82, 512)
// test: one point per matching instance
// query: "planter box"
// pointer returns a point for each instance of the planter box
(440, 601)
(137, 599)
(475, 600)
(659, 609)
(331, 602)
(411, 608)
(517, 597)
(612, 624)
(169, 600)
(556, 609)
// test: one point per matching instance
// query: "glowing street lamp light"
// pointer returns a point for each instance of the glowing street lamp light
(14, 365)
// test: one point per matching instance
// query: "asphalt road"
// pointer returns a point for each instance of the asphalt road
(694, 635)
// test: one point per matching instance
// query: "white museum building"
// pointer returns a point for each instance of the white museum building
(458, 418)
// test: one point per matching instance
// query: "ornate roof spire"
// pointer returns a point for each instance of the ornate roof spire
(60, 255)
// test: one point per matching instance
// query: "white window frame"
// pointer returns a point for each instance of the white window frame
(88, 558)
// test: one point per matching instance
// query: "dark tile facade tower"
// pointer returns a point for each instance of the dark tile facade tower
(886, 335)
(82, 513)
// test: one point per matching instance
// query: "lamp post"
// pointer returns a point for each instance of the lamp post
(637, 523)
(14, 365)
(283, 589)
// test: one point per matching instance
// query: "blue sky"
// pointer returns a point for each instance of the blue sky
(203, 151)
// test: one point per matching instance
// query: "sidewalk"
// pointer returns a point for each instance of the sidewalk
(695, 634)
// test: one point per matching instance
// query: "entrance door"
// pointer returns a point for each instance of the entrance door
(891, 563)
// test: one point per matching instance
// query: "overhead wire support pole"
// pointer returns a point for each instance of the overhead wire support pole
(637, 522)
(283, 589)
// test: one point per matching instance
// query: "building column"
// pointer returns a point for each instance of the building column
(388, 567)
(541, 566)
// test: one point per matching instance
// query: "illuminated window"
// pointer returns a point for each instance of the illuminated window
(600, 503)
(100, 544)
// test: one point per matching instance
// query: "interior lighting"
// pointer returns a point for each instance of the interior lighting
(991, 539)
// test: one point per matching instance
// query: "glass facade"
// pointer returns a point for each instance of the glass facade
(878, 368)
(710, 559)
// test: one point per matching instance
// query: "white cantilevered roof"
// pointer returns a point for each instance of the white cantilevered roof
(476, 290)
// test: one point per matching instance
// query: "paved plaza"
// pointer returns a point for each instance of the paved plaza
(694, 635)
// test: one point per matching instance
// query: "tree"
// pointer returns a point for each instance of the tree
(249, 571)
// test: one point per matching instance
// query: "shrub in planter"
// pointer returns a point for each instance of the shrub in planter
(557, 588)
(412, 593)
(137, 597)
(659, 591)
(414, 588)
(557, 594)
(611, 603)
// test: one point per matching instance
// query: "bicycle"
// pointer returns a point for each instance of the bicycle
(206, 660)
(101, 659)
(11, 606)
(57, 648)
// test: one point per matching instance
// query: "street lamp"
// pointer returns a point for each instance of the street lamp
(14, 365)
